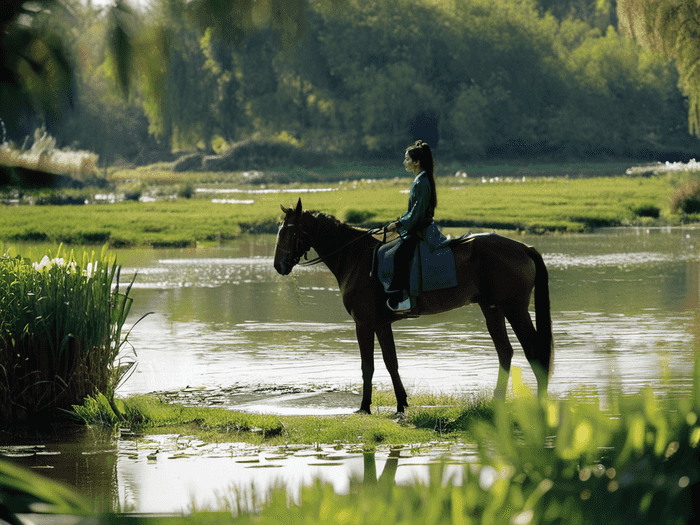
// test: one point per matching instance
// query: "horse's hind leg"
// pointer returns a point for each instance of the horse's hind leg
(496, 324)
(386, 340)
(525, 331)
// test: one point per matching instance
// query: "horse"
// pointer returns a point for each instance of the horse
(495, 272)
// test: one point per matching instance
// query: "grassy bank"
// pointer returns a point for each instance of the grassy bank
(534, 204)
(446, 417)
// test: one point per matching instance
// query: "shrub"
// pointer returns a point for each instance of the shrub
(132, 195)
(185, 190)
(60, 331)
(354, 216)
(647, 210)
(686, 198)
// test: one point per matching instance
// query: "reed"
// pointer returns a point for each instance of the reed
(61, 321)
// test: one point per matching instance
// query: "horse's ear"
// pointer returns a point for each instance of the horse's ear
(298, 210)
(285, 210)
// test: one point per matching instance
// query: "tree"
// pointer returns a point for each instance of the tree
(36, 71)
(671, 27)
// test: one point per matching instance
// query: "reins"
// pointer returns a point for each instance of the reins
(320, 259)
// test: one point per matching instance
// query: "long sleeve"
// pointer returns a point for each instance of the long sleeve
(418, 203)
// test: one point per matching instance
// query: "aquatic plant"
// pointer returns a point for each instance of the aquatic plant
(61, 322)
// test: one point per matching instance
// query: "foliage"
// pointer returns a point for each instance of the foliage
(60, 331)
(671, 27)
(23, 491)
(185, 190)
(686, 198)
(477, 79)
(36, 68)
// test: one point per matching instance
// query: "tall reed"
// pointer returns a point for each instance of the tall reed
(60, 331)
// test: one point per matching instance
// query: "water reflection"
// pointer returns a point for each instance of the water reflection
(173, 474)
(83, 458)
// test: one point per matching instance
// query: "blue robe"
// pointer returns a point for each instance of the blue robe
(434, 267)
(419, 209)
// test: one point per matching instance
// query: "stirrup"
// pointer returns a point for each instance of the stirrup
(403, 306)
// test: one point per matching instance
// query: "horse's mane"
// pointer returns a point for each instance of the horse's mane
(328, 219)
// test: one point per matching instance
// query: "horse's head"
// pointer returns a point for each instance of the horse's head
(292, 241)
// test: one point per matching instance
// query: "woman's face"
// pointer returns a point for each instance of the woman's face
(410, 164)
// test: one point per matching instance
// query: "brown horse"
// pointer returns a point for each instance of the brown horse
(495, 272)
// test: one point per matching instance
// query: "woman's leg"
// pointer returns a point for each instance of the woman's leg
(402, 258)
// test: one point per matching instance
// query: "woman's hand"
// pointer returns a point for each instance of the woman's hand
(392, 226)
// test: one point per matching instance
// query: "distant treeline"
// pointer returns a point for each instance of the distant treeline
(475, 78)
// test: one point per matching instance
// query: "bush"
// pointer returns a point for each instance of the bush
(354, 216)
(686, 198)
(185, 191)
(60, 331)
(647, 210)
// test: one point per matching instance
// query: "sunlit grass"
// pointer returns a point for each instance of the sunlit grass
(536, 205)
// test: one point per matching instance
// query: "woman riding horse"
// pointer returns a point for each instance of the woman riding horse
(497, 273)
(412, 225)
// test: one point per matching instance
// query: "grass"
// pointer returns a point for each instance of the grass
(536, 205)
(447, 417)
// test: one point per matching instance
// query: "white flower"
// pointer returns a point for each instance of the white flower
(91, 269)
(44, 263)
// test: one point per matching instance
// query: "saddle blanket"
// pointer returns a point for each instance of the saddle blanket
(430, 269)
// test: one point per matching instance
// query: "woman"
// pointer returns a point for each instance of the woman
(413, 224)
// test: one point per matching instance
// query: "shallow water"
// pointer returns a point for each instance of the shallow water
(175, 474)
(225, 322)
(622, 304)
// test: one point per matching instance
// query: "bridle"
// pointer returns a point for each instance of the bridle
(298, 244)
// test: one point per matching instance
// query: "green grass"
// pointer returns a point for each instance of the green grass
(446, 417)
(537, 205)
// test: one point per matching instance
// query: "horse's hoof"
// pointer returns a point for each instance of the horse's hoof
(399, 416)
(363, 411)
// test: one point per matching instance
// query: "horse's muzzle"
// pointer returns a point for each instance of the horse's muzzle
(283, 267)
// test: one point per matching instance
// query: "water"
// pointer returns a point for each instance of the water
(622, 303)
(224, 321)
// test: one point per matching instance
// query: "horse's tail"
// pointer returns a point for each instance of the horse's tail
(543, 315)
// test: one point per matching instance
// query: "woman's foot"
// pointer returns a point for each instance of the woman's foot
(399, 302)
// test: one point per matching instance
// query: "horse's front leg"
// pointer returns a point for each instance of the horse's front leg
(365, 338)
(386, 341)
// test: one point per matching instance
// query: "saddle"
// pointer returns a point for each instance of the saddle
(432, 266)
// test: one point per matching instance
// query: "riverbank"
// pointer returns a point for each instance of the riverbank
(215, 211)
(280, 415)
